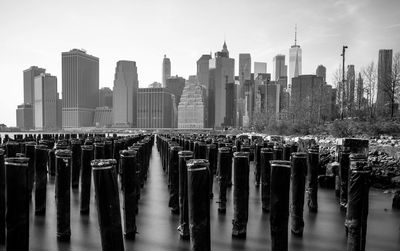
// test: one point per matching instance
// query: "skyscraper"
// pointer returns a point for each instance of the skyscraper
(384, 78)
(350, 85)
(29, 78)
(166, 70)
(295, 61)
(259, 68)
(80, 88)
(279, 69)
(156, 108)
(192, 109)
(203, 70)
(244, 67)
(175, 85)
(25, 117)
(105, 97)
(359, 92)
(45, 105)
(125, 94)
(321, 72)
(224, 73)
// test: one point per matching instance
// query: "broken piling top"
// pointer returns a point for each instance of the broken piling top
(354, 145)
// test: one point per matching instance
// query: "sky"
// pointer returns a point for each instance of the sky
(36, 32)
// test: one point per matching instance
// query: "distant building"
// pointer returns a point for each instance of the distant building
(192, 80)
(80, 88)
(175, 85)
(230, 113)
(244, 67)
(384, 77)
(59, 111)
(156, 108)
(103, 117)
(321, 72)
(155, 85)
(45, 106)
(359, 92)
(222, 69)
(125, 94)
(272, 99)
(25, 117)
(279, 68)
(349, 91)
(29, 78)
(203, 70)
(192, 109)
(105, 97)
(306, 98)
(166, 70)
(259, 68)
(295, 62)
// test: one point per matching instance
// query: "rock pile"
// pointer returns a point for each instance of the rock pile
(385, 169)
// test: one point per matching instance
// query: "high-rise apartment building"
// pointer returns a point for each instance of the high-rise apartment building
(80, 88)
(359, 99)
(166, 70)
(223, 73)
(203, 70)
(384, 79)
(125, 94)
(279, 68)
(295, 62)
(45, 105)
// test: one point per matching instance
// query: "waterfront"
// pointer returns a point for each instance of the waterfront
(157, 226)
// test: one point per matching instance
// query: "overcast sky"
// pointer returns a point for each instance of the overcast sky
(36, 32)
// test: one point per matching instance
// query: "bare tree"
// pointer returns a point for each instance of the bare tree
(370, 77)
(391, 83)
(337, 81)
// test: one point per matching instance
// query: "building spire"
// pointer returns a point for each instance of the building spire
(295, 34)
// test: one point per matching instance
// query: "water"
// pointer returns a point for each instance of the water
(157, 227)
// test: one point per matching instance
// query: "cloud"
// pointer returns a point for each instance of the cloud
(393, 26)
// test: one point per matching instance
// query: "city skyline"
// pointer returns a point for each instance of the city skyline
(365, 26)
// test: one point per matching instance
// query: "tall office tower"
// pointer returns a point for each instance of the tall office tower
(272, 100)
(295, 59)
(359, 92)
(306, 98)
(29, 78)
(45, 105)
(244, 67)
(80, 88)
(59, 111)
(350, 85)
(25, 117)
(105, 97)
(224, 73)
(192, 109)
(259, 68)
(156, 108)
(203, 70)
(321, 72)
(384, 78)
(166, 70)
(175, 85)
(125, 94)
(279, 69)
